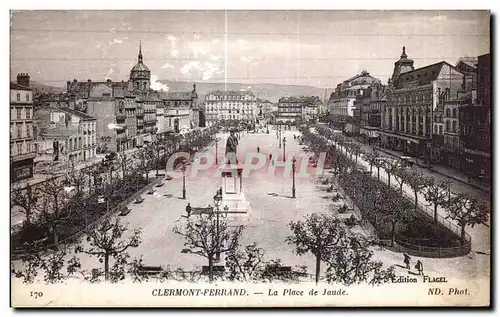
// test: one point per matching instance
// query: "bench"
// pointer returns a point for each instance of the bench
(139, 200)
(217, 269)
(151, 191)
(125, 211)
(150, 270)
(160, 184)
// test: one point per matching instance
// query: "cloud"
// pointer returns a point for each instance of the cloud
(117, 41)
(205, 70)
(215, 41)
(439, 18)
(197, 48)
(246, 59)
(156, 85)
(174, 53)
(246, 89)
(167, 65)
(110, 72)
(215, 57)
(171, 38)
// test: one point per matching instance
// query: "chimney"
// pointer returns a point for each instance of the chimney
(89, 80)
(68, 85)
(108, 80)
(23, 79)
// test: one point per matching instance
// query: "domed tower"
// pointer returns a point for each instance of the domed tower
(403, 65)
(140, 76)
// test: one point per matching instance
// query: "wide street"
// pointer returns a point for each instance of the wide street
(272, 209)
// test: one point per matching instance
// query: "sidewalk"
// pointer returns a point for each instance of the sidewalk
(448, 172)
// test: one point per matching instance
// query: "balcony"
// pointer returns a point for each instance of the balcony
(140, 113)
(121, 116)
(150, 120)
(140, 123)
(121, 137)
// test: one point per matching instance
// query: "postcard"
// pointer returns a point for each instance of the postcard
(228, 158)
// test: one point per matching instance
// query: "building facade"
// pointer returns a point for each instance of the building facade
(297, 110)
(125, 111)
(22, 146)
(367, 112)
(414, 97)
(230, 106)
(475, 126)
(341, 102)
(66, 135)
(181, 112)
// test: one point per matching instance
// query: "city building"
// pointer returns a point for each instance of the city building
(341, 102)
(227, 107)
(475, 126)
(114, 105)
(296, 110)
(22, 149)
(414, 98)
(181, 112)
(366, 114)
(65, 135)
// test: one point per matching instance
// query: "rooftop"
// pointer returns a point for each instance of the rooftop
(19, 87)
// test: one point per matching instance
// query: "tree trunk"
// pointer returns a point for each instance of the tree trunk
(393, 233)
(106, 267)
(401, 187)
(416, 201)
(378, 173)
(462, 234)
(371, 168)
(210, 268)
(435, 214)
(318, 267)
(388, 180)
(56, 237)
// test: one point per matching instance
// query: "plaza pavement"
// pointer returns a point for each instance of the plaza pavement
(157, 214)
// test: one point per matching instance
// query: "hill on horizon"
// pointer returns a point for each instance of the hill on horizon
(266, 91)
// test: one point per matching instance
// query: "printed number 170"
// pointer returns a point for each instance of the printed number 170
(36, 294)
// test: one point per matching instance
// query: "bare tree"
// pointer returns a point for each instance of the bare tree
(317, 234)
(27, 199)
(206, 237)
(244, 265)
(350, 262)
(54, 207)
(466, 210)
(106, 241)
(356, 150)
(51, 263)
(390, 166)
(418, 182)
(371, 158)
(437, 193)
(402, 176)
(394, 209)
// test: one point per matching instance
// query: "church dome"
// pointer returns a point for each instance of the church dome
(140, 67)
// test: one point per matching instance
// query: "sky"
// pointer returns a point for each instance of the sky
(317, 48)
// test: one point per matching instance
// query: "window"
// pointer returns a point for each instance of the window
(18, 110)
(28, 147)
(19, 148)
(454, 112)
(448, 112)
(28, 113)
(28, 99)
(447, 126)
(18, 97)
(19, 130)
(454, 124)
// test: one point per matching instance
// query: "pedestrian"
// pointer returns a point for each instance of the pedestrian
(258, 149)
(188, 210)
(294, 137)
(420, 267)
(406, 260)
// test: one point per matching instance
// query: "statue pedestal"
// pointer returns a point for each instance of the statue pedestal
(233, 196)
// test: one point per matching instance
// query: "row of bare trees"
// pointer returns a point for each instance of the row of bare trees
(464, 208)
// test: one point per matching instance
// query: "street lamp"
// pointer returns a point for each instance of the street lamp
(217, 204)
(216, 155)
(293, 176)
(279, 136)
(183, 169)
(284, 147)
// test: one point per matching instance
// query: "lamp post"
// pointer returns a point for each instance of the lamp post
(279, 136)
(183, 169)
(293, 176)
(284, 149)
(216, 154)
(217, 204)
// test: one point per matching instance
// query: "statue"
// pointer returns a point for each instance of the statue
(232, 147)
